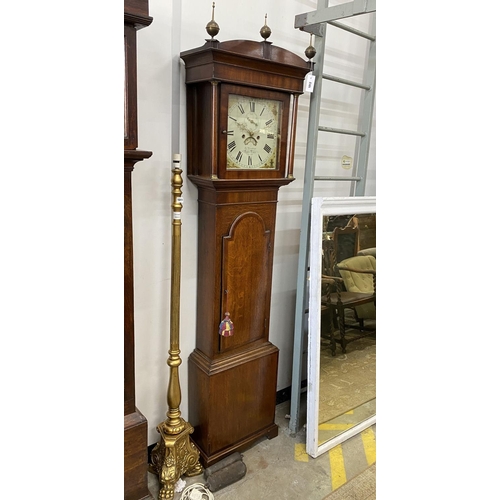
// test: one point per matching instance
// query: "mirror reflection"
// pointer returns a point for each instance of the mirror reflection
(347, 358)
(346, 385)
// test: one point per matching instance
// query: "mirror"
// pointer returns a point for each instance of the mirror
(341, 396)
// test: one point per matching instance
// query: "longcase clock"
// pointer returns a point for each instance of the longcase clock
(135, 423)
(241, 120)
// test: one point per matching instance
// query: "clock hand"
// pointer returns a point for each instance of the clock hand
(243, 127)
(250, 133)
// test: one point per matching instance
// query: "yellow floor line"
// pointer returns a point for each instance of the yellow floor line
(300, 453)
(368, 437)
(337, 467)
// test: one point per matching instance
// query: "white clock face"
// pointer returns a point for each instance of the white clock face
(253, 132)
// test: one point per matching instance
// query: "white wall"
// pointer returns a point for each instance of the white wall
(161, 102)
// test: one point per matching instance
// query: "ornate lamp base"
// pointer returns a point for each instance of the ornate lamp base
(174, 456)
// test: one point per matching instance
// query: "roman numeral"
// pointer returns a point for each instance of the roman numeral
(263, 109)
(231, 132)
(231, 146)
(252, 107)
(267, 148)
(249, 161)
(240, 107)
(269, 136)
(239, 156)
(261, 160)
(234, 119)
(269, 122)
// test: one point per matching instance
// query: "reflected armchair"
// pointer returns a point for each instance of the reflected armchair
(359, 276)
(351, 284)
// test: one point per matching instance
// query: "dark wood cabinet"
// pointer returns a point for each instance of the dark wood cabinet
(241, 119)
(135, 424)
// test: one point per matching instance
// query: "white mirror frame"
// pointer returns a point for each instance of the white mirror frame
(321, 207)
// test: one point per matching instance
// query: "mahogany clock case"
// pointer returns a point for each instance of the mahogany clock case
(233, 380)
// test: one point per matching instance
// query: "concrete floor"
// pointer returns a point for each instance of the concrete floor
(280, 469)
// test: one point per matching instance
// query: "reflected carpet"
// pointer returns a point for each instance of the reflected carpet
(346, 380)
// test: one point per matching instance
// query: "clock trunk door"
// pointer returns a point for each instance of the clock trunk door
(246, 280)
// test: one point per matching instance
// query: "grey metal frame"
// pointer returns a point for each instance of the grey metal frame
(315, 22)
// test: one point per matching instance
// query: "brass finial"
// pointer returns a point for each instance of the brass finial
(212, 27)
(310, 51)
(265, 31)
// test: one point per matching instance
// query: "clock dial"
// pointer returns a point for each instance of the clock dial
(253, 130)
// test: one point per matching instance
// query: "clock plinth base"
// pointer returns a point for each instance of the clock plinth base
(223, 425)
(269, 433)
(174, 456)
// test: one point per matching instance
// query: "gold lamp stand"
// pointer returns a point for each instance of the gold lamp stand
(174, 455)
